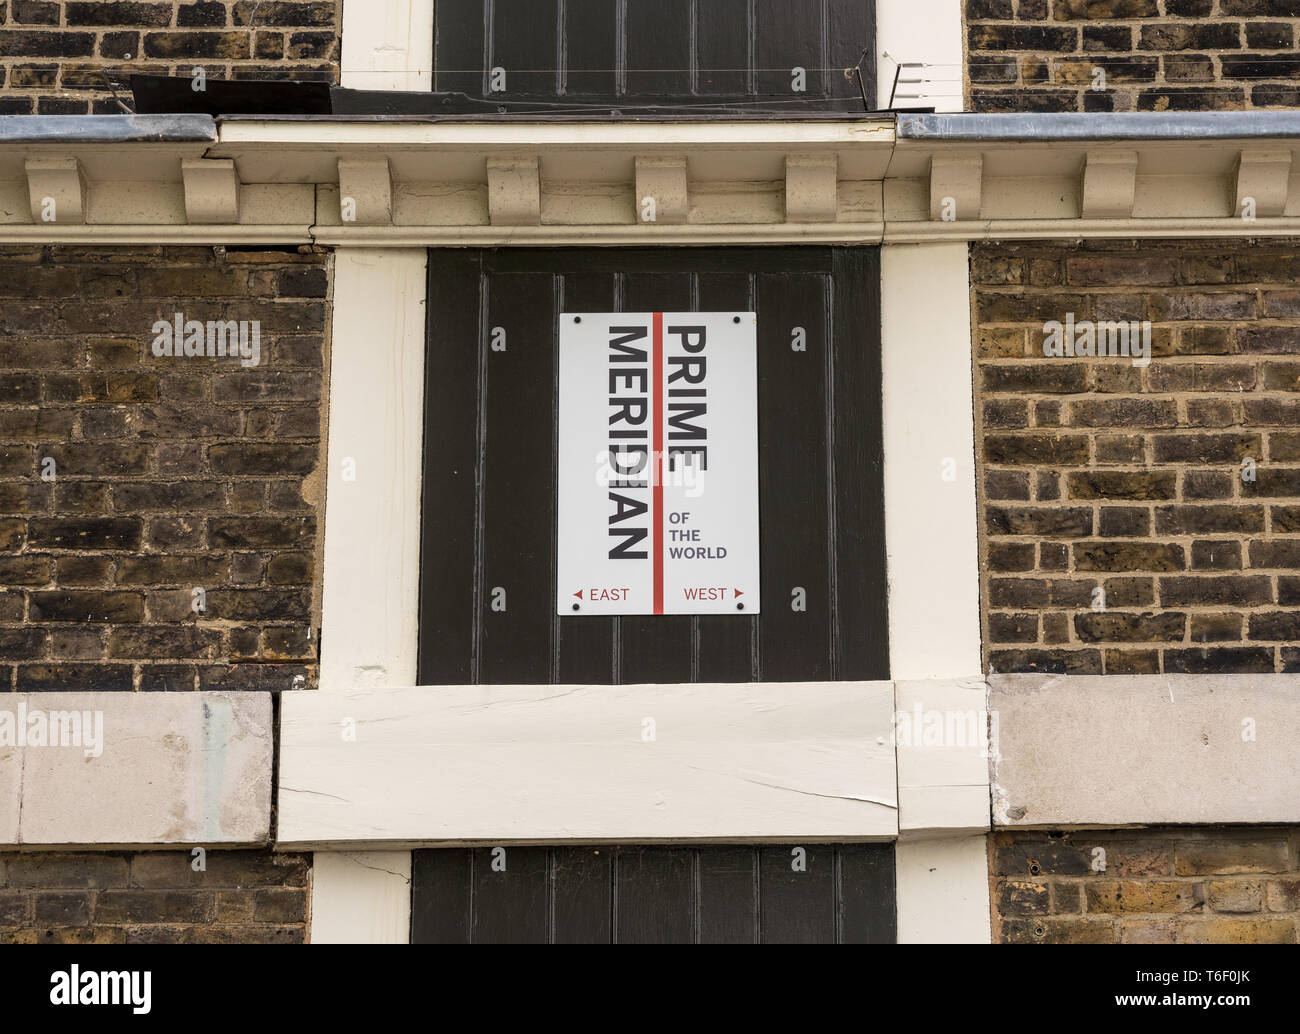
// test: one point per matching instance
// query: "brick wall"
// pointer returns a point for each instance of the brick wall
(128, 481)
(1101, 474)
(1224, 885)
(1156, 55)
(53, 55)
(154, 897)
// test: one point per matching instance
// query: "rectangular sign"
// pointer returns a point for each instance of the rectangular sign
(658, 464)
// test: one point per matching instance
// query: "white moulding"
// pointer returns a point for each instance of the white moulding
(1263, 178)
(661, 190)
(211, 190)
(1109, 184)
(956, 184)
(56, 189)
(810, 188)
(514, 191)
(365, 191)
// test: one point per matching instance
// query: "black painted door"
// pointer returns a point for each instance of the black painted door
(776, 55)
(773, 894)
(487, 592)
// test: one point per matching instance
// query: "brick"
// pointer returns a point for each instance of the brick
(1283, 895)
(86, 606)
(1048, 662)
(1200, 520)
(1128, 556)
(47, 871)
(1115, 484)
(1070, 522)
(1216, 628)
(1218, 660)
(1237, 931)
(1110, 626)
(1216, 555)
(84, 532)
(1129, 592)
(1145, 896)
(1206, 448)
(1215, 590)
(1274, 626)
(1123, 413)
(1236, 896)
(1059, 930)
(1189, 36)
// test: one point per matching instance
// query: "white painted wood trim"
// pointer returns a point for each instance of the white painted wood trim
(371, 578)
(943, 890)
(370, 610)
(931, 535)
(927, 31)
(387, 45)
(388, 768)
(941, 733)
(361, 897)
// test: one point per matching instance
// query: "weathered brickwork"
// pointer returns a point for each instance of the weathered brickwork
(158, 515)
(1153, 55)
(1210, 885)
(55, 54)
(1138, 520)
(154, 897)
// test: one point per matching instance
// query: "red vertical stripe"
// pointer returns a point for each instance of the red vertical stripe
(658, 466)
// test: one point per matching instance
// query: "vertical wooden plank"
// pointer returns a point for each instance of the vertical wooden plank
(518, 486)
(653, 896)
(656, 648)
(586, 642)
(458, 46)
(440, 896)
(591, 46)
(852, 27)
(510, 903)
(658, 50)
(582, 886)
(447, 533)
(728, 895)
(868, 899)
(795, 644)
(797, 907)
(790, 35)
(524, 35)
(722, 49)
(725, 643)
(861, 640)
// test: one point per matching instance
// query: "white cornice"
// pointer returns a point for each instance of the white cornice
(557, 183)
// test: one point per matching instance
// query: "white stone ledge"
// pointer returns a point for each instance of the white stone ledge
(1116, 750)
(155, 769)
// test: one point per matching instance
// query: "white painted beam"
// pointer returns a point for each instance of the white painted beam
(547, 764)
(361, 897)
(931, 531)
(943, 890)
(376, 436)
(941, 731)
(387, 45)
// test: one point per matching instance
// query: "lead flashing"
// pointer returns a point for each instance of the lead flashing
(1146, 125)
(107, 129)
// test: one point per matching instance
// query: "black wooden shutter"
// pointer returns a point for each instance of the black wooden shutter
(836, 894)
(640, 53)
(488, 525)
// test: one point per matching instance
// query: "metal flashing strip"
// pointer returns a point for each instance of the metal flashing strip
(1049, 127)
(107, 129)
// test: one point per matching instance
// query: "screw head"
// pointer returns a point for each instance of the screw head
(575, 606)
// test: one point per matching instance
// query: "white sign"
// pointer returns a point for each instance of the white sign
(658, 464)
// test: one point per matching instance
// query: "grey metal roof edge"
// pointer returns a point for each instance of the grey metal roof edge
(1050, 127)
(107, 129)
